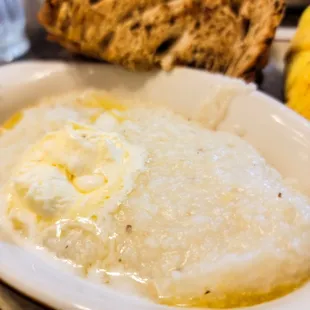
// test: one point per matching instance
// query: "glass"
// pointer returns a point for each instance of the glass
(13, 40)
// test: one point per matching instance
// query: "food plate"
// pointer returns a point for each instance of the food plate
(279, 134)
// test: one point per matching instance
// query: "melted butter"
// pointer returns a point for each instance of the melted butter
(115, 114)
(89, 183)
(73, 172)
(13, 120)
(19, 226)
(108, 104)
(64, 170)
(95, 117)
(230, 301)
(105, 105)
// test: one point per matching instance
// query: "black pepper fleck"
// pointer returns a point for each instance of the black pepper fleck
(67, 246)
(207, 292)
(129, 229)
(280, 195)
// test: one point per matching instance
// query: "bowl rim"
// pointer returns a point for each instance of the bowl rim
(32, 71)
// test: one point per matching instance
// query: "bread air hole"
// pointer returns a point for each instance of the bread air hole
(246, 23)
(166, 45)
(106, 40)
(235, 6)
(135, 26)
(92, 2)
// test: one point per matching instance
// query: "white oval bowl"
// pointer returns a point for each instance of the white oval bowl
(282, 136)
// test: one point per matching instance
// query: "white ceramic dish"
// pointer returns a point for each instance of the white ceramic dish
(282, 137)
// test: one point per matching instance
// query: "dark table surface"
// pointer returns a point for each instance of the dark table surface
(271, 82)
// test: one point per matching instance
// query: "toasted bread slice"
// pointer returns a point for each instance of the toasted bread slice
(228, 36)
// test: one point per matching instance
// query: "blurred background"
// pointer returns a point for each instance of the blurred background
(270, 82)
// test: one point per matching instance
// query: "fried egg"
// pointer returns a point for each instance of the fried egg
(141, 199)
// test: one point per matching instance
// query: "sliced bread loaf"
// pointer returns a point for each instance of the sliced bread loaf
(228, 36)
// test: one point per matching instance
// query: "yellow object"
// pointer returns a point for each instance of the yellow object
(301, 40)
(298, 72)
(13, 121)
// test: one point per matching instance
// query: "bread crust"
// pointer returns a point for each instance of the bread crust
(232, 37)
